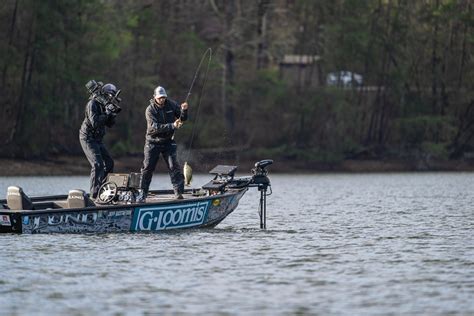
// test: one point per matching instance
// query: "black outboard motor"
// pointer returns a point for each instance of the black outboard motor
(262, 182)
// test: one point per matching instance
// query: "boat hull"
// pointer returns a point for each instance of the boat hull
(151, 217)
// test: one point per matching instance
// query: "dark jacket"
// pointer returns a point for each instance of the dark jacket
(95, 121)
(160, 121)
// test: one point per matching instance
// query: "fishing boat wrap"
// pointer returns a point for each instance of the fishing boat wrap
(149, 217)
(120, 211)
(190, 214)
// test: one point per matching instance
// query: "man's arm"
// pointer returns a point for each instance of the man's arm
(97, 120)
(154, 127)
(110, 120)
(181, 111)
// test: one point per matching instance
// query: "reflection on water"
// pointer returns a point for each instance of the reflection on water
(358, 244)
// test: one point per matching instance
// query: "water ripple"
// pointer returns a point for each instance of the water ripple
(335, 244)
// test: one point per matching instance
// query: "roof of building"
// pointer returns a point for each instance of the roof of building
(300, 59)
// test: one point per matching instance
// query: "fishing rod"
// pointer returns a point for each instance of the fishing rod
(187, 170)
(209, 50)
(198, 69)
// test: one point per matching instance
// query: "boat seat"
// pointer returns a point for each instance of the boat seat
(17, 199)
(78, 199)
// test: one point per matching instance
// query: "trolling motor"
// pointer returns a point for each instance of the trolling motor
(224, 179)
(262, 182)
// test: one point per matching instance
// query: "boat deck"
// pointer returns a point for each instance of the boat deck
(153, 198)
(61, 201)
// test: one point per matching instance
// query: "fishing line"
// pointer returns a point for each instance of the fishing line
(198, 107)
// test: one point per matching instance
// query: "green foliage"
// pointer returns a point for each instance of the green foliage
(414, 56)
(415, 131)
(435, 150)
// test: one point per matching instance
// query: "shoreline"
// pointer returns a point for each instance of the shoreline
(78, 165)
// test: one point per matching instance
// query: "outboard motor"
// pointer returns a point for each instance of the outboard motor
(17, 199)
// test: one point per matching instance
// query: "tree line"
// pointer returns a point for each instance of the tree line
(415, 58)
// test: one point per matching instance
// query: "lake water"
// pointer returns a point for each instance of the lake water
(395, 243)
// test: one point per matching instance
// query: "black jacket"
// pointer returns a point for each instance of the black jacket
(160, 121)
(95, 121)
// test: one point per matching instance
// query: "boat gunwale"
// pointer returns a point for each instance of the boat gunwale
(230, 192)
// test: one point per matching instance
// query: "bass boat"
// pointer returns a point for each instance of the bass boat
(118, 208)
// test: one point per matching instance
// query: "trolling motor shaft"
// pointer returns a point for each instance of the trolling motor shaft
(263, 208)
(262, 182)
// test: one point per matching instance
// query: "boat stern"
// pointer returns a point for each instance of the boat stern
(10, 222)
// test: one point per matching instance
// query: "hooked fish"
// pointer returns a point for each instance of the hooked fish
(188, 174)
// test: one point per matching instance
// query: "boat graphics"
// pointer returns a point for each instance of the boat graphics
(162, 217)
(100, 220)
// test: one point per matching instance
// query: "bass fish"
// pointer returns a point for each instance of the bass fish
(188, 174)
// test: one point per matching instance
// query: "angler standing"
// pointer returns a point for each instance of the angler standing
(100, 112)
(163, 117)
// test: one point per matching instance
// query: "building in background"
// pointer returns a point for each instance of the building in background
(300, 70)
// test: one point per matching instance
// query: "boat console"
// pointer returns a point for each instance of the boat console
(120, 187)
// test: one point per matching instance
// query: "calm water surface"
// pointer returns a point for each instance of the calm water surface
(336, 244)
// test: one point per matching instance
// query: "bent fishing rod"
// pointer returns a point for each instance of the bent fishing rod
(198, 69)
(196, 74)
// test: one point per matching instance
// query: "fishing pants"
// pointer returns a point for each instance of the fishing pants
(152, 153)
(100, 161)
